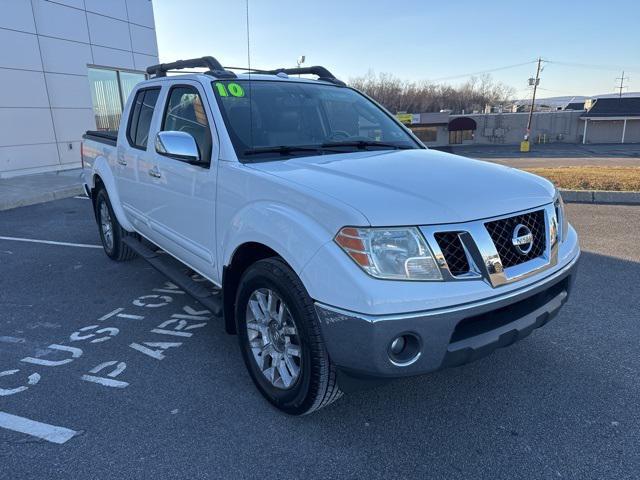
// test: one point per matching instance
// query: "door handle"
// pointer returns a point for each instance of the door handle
(154, 172)
(122, 161)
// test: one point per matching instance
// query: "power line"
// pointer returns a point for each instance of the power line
(564, 92)
(615, 68)
(481, 72)
(545, 61)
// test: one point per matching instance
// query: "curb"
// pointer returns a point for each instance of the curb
(602, 197)
(42, 197)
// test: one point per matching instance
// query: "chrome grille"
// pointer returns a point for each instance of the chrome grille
(451, 246)
(483, 249)
(501, 232)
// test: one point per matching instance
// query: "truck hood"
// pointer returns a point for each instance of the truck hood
(415, 187)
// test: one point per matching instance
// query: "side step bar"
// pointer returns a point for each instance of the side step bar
(168, 266)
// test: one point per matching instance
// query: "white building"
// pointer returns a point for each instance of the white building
(66, 66)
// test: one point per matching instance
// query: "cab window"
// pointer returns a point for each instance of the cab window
(141, 115)
(185, 112)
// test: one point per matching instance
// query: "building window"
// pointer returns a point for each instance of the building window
(459, 136)
(128, 80)
(426, 134)
(109, 92)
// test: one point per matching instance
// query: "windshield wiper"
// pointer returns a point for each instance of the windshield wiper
(285, 150)
(363, 144)
(282, 149)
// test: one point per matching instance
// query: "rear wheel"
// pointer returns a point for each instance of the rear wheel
(280, 339)
(111, 233)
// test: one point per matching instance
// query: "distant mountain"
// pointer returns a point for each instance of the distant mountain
(561, 101)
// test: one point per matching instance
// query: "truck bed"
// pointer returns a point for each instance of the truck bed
(109, 137)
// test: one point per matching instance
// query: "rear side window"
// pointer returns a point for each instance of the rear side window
(185, 113)
(141, 115)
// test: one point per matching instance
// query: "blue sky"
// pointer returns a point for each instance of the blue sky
(417, 39)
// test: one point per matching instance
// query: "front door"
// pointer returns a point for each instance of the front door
(183, 214)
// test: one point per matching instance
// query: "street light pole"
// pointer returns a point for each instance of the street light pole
(300, 61)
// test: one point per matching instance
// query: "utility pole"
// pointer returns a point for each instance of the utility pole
(622, 85)
(535, 83)
(525, 145)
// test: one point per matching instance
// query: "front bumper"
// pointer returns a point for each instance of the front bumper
(359, 344)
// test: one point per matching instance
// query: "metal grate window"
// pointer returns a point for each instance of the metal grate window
(109, 92)
(501, 232)
(453, 252)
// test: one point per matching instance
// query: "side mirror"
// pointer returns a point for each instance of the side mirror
(178, 145)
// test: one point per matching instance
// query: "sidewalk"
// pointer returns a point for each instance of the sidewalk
(555, 155)
(39, 188)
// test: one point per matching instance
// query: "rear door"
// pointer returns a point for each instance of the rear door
(135, 158)
(183, 195)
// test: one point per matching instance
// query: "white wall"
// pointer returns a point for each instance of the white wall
(509, 128)
(45, 47)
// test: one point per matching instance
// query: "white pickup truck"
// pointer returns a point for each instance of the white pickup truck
(341, 249)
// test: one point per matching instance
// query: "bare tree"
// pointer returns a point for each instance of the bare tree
(398, 95)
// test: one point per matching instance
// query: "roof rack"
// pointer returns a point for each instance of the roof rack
(217, 70)
(321, 72)
(215, 67)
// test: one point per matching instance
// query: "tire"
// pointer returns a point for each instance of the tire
(112, 235)
(315, 385)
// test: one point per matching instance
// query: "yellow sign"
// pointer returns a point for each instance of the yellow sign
(404, 118)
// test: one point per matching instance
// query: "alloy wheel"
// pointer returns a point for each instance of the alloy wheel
(273, 338)
(106, 225)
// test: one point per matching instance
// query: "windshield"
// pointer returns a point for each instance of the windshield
(269, 120)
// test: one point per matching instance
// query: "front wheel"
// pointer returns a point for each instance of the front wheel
(280, 339)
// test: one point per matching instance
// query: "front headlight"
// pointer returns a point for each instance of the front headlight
(563, 222)
(390, 253)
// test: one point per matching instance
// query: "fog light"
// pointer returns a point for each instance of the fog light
(398, 345)
(404, 349)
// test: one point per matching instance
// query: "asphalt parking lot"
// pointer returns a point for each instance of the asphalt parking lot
(128, 378)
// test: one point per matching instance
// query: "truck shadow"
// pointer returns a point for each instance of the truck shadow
(557, 391)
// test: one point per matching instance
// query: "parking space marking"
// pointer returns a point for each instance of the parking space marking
(50, 433)
(50, 242)
(116, 313)
(182, 322)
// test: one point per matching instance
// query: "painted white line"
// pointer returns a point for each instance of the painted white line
(50, 242)
(116, 313)
(107, 382)
(175, 333)
(164, 290)
(47, 432)
(110, 314)
(130, 316)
